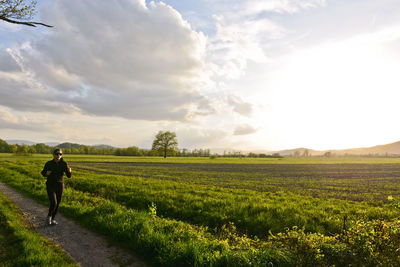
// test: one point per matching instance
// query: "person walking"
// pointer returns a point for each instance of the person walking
(54, 171)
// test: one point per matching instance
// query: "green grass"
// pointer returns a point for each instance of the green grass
(230, 212)
(163, 241)
(206, 160)
(268, 201)
(22, 246)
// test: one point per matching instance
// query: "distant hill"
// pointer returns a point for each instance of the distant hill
(388, 149)
(51, 144)
(19, 142)
(75, 145)
(54, 144)
(70, 145)
(102, 146)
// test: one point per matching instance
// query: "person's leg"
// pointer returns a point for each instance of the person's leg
(58, 194)
(52, 199)
(53, 202)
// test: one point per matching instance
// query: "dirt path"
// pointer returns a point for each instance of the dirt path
(84, 247)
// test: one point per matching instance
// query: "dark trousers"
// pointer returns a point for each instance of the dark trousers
(54, 191)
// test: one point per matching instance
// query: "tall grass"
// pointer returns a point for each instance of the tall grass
(21, 246)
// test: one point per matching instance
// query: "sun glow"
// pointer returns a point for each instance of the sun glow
(337, 95)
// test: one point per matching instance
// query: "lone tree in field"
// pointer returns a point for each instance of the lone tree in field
(13, 11)
(165, 143)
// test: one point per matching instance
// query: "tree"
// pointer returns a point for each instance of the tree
(42, 148)
(165, 142)
(13, 148)
(4, 147)
(306, 153)
(22, 150)
(129, 151)
(13, 11)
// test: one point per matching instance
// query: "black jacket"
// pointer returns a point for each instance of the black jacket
(57, 171)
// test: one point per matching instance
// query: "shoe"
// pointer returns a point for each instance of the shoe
(48, 220)
(53, 222)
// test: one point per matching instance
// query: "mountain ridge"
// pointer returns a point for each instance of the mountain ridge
(386, 149)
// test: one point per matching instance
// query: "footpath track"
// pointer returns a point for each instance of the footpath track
(83, 246)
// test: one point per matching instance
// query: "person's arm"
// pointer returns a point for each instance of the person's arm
(46, 172)
(68, 170)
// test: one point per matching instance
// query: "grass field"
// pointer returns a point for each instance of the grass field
(231, 211)
(21, 246)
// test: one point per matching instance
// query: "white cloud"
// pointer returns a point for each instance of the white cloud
(8, 120)
(201, 137)
(236, 42)
(8, 64)
(244, 129)
(240, 106)
(111, 58)
(7, 116)
(280, 6)
(243, 35)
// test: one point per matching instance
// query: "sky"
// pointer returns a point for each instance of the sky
(247, 75)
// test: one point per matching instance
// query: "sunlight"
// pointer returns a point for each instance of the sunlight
(339, 94)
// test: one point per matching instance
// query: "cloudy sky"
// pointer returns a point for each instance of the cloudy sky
(240, 74)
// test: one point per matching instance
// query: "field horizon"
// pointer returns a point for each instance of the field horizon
(390, 149)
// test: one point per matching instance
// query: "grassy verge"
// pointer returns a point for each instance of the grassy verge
(21, 246)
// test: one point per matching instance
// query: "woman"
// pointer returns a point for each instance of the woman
(54, 171)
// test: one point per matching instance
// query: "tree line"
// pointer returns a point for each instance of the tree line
(71, 148)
